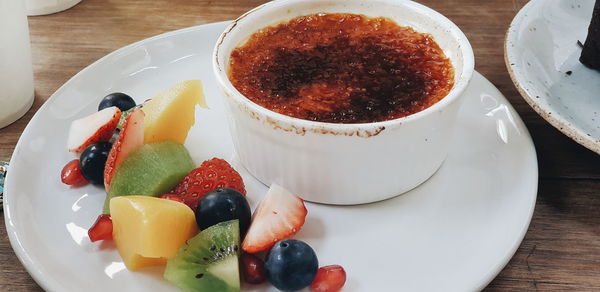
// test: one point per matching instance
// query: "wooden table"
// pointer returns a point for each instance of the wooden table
(562, 247)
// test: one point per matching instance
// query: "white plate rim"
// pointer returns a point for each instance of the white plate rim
(509, 255)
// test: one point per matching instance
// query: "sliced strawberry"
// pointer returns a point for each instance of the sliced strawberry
(173, 197)
(102, 228)
(329, 279)
(71, 174)
(279, 215)
(211, 175)
(130, 139)
(96, 127)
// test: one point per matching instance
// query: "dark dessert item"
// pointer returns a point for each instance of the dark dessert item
(341, 68)
(590, 56)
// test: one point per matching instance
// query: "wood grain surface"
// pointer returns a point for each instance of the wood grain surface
(562, 247)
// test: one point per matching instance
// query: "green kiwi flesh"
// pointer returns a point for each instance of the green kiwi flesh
(152, 170)
(208, 261)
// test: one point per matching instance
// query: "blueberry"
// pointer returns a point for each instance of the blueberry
(118, 99)
(291, 265)
(223, 204)
(92, 161)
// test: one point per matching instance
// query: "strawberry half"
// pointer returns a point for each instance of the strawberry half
(211, 175)
(102, 228)
(130, 139)
(279, 216)
(96, 127)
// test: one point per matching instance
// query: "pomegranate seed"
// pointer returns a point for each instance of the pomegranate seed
(71, 174)
(102, 228)
(253, 269)
(329, 279)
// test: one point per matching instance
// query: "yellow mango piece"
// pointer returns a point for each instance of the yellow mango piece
(148, 230)
(171, 114)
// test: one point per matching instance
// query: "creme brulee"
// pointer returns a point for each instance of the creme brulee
(341, 68)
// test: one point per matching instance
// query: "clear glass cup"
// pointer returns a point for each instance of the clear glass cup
(16, 73)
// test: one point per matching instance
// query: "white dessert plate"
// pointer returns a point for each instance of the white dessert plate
(453, 233)
(542, 57)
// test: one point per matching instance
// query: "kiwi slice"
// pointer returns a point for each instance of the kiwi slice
(152, 170)
(208, 261)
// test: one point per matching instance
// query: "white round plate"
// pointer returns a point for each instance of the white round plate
(453, 233)
(542, 57)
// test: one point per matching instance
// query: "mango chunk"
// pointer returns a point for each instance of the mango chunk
(171, 114)
(148, 231)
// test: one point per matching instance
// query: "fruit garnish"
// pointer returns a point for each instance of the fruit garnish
(92, 161)
(171, 114)
(152, 170)
(329, 279)
(291, 265)
(253, 269)
(212, 174)
(71, 174)
(121, 100)
(130, 138)
(223, 205)
(148, 231)
(279, 215)
(102, 228)
(209, 261)
(96, 127)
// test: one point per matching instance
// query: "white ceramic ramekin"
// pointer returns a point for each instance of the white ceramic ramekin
(343, 163)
